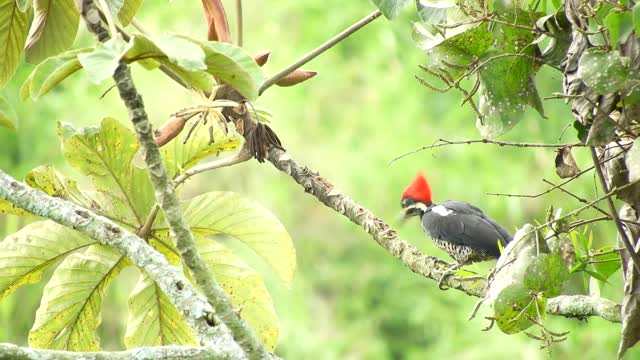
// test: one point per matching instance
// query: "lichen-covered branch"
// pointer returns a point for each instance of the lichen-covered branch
(414, 259)
(15, 352)
(195, 309)
(583, 306)
(168, 200)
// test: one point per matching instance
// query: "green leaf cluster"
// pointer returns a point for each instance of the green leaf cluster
(496, 61)
(69, 313)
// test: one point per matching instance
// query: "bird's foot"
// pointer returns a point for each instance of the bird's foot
(446, 273)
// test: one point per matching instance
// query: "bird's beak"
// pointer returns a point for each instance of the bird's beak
(402, 217)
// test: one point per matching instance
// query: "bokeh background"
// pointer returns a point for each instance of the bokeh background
(350, 299)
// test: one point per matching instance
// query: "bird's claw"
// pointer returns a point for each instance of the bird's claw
(450, 271)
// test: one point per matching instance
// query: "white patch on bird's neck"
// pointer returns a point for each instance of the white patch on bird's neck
(420, 205)
(441, 210)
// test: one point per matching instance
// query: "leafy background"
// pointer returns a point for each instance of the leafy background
(349, 299)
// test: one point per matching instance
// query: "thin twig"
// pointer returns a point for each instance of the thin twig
(588, 205)
(319, 50)
(623, 234)
(444, 142)
(585, 201)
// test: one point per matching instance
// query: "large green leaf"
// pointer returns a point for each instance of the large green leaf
(53, 29)
(232, 65)
(69, 312)
(546, 274)
(153, 320)
(507, 84)
(184, 53)
(179, 155)
(620, 26)
(50, 73)
(128, 11)
(605, 71)
(230, 214)
(13, 32)
(26, 254)
(8, 116)
(506, 89)
(185, 58)
(245, 287)
(390, 8)
(515, 308)
(106, 154)
(103, 61)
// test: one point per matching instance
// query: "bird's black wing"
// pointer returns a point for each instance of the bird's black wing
(461, 207)
(465, 225)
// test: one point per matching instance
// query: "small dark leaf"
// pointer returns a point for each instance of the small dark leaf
(566, 166)
(556, 26)
(582, 131)
(602, 131)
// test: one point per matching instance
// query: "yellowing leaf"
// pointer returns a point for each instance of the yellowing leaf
(46, 179)
(53, 29)
(13, 32)
(153, 320)
(245, 287)
(255, 226)
(6, 207)
(26, 254)
(106, 154)
(69, 312)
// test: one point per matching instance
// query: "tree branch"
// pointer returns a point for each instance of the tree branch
(196, 310)
(418, 262)
(15, 352)
(319, 50)
(168, 200)
(444, 142)
(623, 234)
(582, 306)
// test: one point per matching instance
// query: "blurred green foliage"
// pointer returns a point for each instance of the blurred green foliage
(350, 299)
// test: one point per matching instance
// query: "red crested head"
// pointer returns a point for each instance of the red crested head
(419, 190)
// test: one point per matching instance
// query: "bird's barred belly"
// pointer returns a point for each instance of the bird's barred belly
(462, 254)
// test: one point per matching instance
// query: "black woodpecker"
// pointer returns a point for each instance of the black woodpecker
(460, 229)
